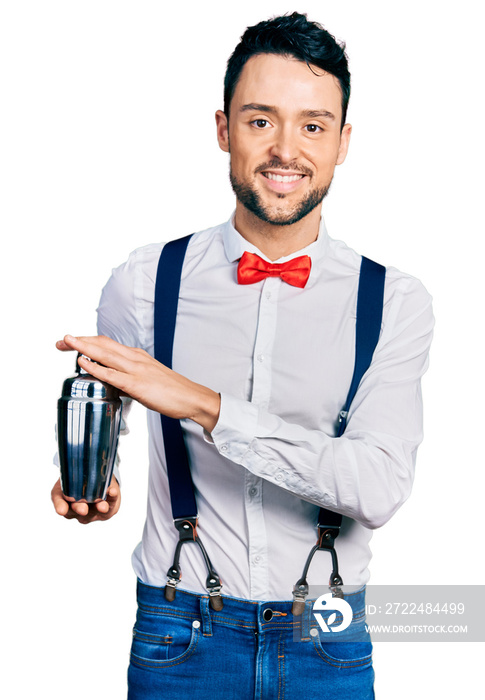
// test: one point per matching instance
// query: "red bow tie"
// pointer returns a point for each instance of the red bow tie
(252, 268)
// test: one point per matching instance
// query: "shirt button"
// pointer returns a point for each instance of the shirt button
(279, 476)
(268, 295)
(260, 357)
(224, 447)
(257, 559)
(253, 491)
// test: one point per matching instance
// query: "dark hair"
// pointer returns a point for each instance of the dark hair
(290, 35)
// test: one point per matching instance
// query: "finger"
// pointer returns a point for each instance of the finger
(114, 490)
(105, 359)
(100, 370)
(61, 345)
(61, 507)
(57, 497)
(80, 508)
(102, 507)
(109, 375)
(90, 514)
(98, 511)
(99, 348)
(113, 498)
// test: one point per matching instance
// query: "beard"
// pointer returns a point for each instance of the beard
(250, 198)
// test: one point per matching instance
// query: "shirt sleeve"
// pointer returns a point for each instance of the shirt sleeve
(368, 472)
(118, 316)
(118, 319)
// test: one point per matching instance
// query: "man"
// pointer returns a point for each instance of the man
(262, 361)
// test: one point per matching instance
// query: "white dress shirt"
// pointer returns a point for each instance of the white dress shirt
(282, 359)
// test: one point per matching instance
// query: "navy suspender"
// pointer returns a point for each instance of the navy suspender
(166, 302)
(184, 508)
(370, 298)
(182, 496)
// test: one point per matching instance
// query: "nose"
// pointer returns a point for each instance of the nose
(285, 145)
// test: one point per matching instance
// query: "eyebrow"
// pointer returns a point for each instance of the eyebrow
(314, 113)
(253, 107)
(309, 113)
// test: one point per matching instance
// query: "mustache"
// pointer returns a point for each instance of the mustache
(276, 163)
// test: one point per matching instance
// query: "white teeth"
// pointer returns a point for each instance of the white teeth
(283, 178)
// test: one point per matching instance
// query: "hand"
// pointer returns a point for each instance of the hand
(83, 512)
(139, 375)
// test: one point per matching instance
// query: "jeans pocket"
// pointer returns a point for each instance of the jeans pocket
(349, 649)
(172, 643)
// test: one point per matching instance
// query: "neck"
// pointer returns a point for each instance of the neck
(274, 240)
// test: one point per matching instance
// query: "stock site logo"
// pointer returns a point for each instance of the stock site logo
(326, 603)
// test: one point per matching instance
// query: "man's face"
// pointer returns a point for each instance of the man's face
(284, 137)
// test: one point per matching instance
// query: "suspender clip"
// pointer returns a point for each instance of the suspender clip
(326, 541)
(300, 592)
(214, 585)
(170, 589)
(187, 529)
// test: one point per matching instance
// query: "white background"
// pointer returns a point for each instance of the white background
(108, 143)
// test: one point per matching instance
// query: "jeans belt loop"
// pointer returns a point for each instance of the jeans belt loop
(206, 616)
(306, 620)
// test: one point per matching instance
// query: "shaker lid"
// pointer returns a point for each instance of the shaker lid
(86, 386)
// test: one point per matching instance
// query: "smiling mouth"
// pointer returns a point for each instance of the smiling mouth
(282, 178)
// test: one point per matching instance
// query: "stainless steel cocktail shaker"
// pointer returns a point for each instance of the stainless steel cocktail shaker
(88, 426)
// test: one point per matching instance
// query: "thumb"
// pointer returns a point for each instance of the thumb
(114, 490)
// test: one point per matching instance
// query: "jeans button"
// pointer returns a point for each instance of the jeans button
(267, 615)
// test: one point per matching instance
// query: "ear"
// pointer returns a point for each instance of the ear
(222, 131)
(344, 143)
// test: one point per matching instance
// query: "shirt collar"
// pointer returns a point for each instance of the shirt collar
(235, 245)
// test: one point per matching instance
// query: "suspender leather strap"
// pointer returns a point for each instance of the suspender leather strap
(370, 297)
(182, 496)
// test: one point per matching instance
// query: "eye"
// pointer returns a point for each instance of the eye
(313, 128)
(260, 123)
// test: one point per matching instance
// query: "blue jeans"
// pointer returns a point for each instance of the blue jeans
(254, 650)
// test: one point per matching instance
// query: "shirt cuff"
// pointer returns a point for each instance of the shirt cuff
(236, 428)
